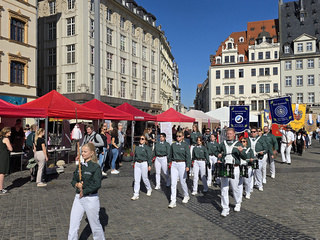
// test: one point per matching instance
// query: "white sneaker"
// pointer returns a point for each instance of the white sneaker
(185, 200)
(237, 208)
(209, 184)
(248, 196)
(149, 192)
(104, 173)
(264, 181)
(157, 188)
(172, 204)
(194, 193)
(41, 184)
(135, 197)
(273, 176)
(115, 172)
(224, 213)
(261, 189)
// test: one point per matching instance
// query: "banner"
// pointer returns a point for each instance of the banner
(266, 118)
(166, 127)
(281, 110)
(310, 122)
(299, 116)
(239, 118)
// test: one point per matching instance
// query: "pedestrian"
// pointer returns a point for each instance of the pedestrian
(193, 141)
(273, 143)
(231, 152)
(200, 158)
(17, 140)
(206, 136)
(249, 156)
(93, 137)
(162, 152)
(142, 165)
(86, 199)
(121, 136)
(103, 152)
(29, 146)
(5, 149)
(213, 151)
(115, 145)
(286, 144)
(186, 135)
(180, 162)
(40, 156)
(300, 143)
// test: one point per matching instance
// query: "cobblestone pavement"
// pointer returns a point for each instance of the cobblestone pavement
(288, 208)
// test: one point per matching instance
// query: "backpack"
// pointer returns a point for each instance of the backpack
(99, 150)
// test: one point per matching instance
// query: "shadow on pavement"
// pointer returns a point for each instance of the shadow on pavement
(19, 182)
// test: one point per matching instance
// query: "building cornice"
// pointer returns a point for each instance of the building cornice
(20, 43)
(243, 64)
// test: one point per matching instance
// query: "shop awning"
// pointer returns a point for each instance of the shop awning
(172, 115)
(10, 110)
(137, 114)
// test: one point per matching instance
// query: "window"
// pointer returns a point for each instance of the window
(17, 30)
(218, 105)
(109, 86)
(310, 97)
(153, 95)
(92, 55)
(260, 55)
(71, 26)
(288, 65)
(299, 81)
(134, 69)
(226, 59)
(144, 93)
(231, 58)
(217, 90)
(134, 48)
(286, 49)
(229, 45)
(253, 88)
(52, 80)
(310, 80)
(122, 22)
(153, 76)
(226, 90)
(261, 105)
(275, 71)
(123, 89)
(71, 53)
(241, 73)
(267, 71)
(268, 55)
(52, 57)
(123, 65)
(267, 88)
(252, 56)
(300, 47)
(232, 73)
(299, 64)
(218, 74)
(52, 30)
(232, 90)
(276, 54)
(309, 46)
(109, 36)
(153, 54)
(241, 59)
(144, 35)
(144, 73)
(261, 88)
(133, 29)
(109, 61)
(92, 5)
(225, 103)
(253, 105)
(226, 73)
(253, 72)
(299, 97)
(241, 103)
(310, 63)
(71, 4)
(218, 60)
(92, 83)
(275, 88)
(109, 13)
(52, 7)
(122, 42)
(288, 81)
(144, 53)
(241, 89)
(17, 72)
(261, 71)
(134, 91)
(71, 82)
(91, 28)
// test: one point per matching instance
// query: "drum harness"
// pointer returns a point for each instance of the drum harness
(229, 158)
(253, 145)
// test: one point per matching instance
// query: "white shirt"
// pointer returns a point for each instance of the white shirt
(287, 136)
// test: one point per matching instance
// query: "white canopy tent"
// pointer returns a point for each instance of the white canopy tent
(223, 115)
(202, 118)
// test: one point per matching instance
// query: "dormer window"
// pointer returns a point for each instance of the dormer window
(300, 47)
(241, 39)
(302, 16)
(286, 49)
(232, 59)
(309, 46)
(229, 45)
(218, 61)
(241, 59)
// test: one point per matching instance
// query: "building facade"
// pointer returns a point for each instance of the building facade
(245, 68)
(176, 89)
(18, 51)
(300, 54)
(130, 52)
(201, 101)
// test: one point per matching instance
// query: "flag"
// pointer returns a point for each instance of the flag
(239, 118)
(299, 116)
(281, 110)
(310, 122)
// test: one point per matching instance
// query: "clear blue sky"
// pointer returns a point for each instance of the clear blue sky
(195, 30)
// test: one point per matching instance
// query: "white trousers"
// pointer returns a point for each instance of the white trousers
(248, 181)
(199, 166)
(285, 153)
(161, 163)
(258, 172)
(141, 170)
(237, 189)
(191, 168)
(272, 166)
(90, 205)
(264, 167)
(178, 169)
(212, 160)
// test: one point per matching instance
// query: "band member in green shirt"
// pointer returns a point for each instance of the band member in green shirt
(273, 143)
(213, 150)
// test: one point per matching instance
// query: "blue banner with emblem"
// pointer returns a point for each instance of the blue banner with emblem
(239, 118)
(281, 110)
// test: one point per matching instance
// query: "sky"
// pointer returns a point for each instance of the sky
(195, 29)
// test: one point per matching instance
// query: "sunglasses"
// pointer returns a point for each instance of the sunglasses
(244, 141)
(253, 131)
(259, 130)
(141, 138)
(179, 135)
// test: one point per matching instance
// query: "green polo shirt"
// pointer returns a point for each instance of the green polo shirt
(213, 148)
(162, 149)
(143, 153)
(272, 141)
(200, 152)
(180, 151)
(193, 137)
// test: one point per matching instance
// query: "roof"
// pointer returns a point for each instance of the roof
(172, 115)
(199, 115)
(137, 114)
(11, 110)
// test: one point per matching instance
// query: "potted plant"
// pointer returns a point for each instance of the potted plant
(127, 155)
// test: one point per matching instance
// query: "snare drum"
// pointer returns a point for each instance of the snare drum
(254, 164)
(243, 171)
(225, 170)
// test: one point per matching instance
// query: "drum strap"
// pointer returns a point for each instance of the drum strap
(247, 150)
(229, 148)
(253, 145)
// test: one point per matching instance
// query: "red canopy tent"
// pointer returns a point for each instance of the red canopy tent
(59, 106)
(109, 112)
(11, 110)
(172, 115)
(137, 114)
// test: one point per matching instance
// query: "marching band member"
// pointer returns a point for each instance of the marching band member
(86, 199)
(200, 157)
(213, 151)
(162, 151)
(249, 157)
(180, 164)
(273, 143)
(193, 141)
(231, 150)
(286, 144)
(142, 164)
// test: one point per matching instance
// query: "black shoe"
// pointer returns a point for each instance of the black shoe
(289, 163)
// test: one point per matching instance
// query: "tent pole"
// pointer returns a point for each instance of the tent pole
(132, 134)
(46, 130)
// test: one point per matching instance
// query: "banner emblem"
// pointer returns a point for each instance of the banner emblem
(281, 110)
(239, 118)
